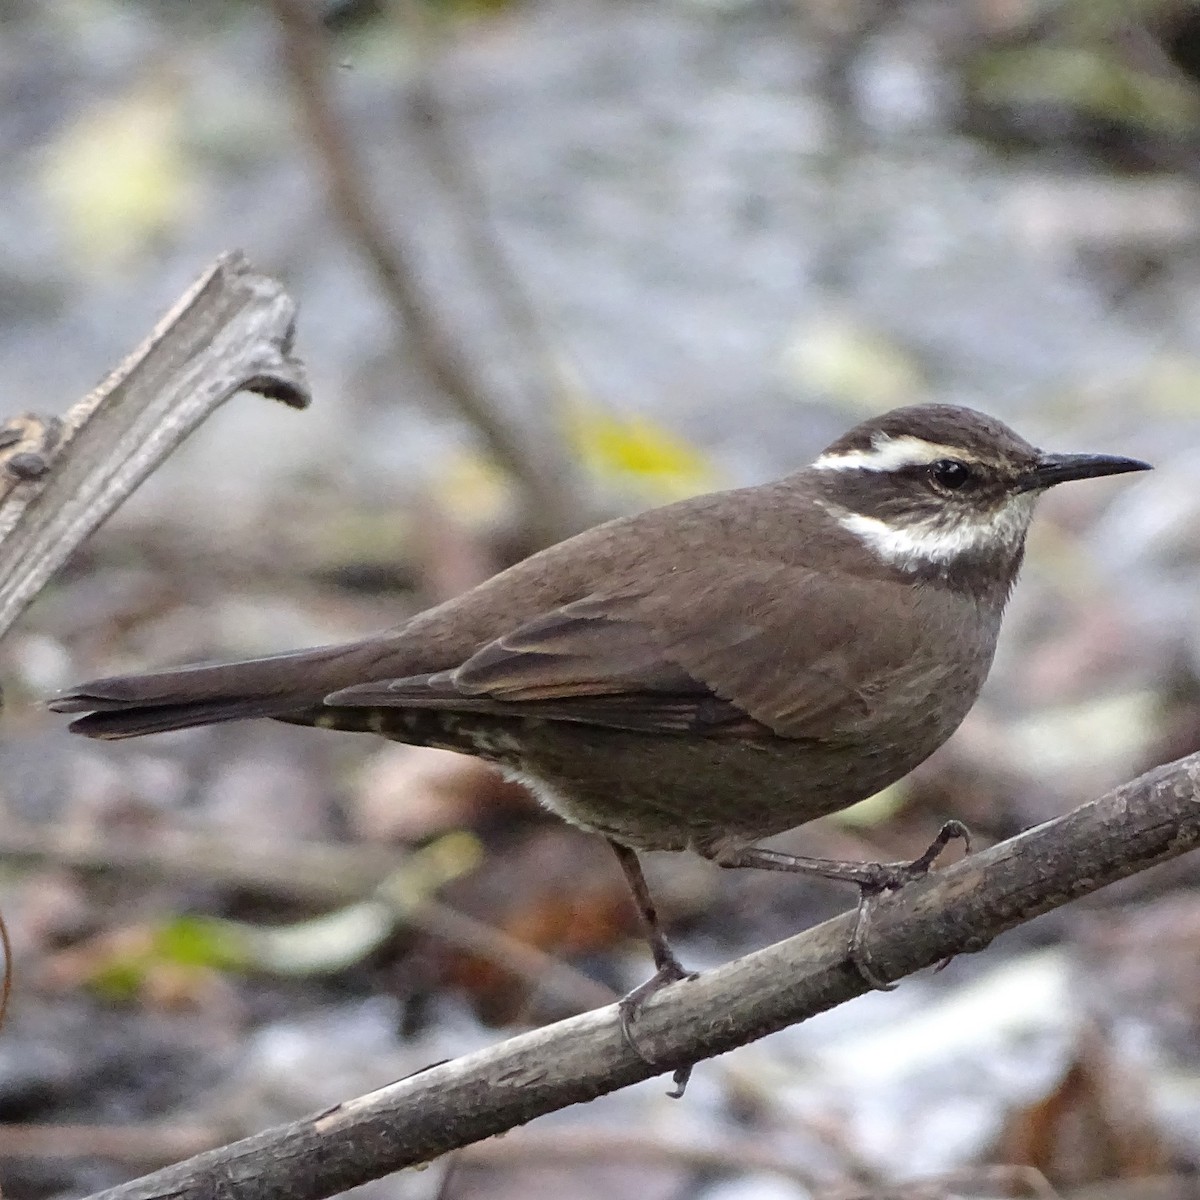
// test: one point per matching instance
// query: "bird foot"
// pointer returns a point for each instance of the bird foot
(670, 970)
(880, 878)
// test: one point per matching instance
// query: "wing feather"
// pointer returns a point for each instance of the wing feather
(774, 650)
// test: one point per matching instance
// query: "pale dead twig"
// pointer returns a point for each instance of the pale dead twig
(989, 1182)
(60, 479)
(574, 1148)
(138, 1145)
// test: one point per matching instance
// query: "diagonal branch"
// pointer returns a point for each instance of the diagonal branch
(60, 479)
(454, 1104)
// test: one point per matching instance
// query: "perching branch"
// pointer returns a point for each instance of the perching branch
(955, 911)
(60, 479)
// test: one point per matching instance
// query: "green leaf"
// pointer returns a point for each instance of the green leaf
(200, 942)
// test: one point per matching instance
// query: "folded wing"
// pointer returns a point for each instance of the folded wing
(774, 650)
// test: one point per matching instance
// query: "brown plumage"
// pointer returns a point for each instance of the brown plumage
(701, 675)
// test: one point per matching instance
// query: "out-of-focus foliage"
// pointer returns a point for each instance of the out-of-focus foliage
(857, 368)
(636, 453)
(119, 175)
(1093, 82)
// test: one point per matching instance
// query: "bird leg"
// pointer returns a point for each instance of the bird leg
(669, 968)
(871, 879)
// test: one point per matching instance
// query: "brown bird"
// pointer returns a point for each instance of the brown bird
(702, 675)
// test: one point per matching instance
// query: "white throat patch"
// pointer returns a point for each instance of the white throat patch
(889, 454)
(940, 540)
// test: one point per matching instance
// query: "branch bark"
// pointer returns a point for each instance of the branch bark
(955, 911)
(60, 479)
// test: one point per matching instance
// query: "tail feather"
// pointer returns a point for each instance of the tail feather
(288, 686)
(113, 725)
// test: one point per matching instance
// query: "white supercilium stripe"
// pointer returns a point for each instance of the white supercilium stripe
(888, 454)
(942, 540)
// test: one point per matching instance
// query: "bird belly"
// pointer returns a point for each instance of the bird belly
(675, 792)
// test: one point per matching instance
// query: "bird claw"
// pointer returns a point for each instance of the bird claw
(669, 971)
(891, 877)
(858, 953)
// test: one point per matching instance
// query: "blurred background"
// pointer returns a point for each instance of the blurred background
(556, 260)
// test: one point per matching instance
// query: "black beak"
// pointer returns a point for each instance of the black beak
(1052, 469)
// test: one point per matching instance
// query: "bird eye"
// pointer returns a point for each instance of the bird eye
(950, 473)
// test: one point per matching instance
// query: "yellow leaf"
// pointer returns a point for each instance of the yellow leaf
(874, 810)
(636, 452)
(118, 176)
(628, 453)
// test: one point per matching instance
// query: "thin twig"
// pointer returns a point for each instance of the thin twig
(434, 129)
(317, 873)
(6, 990)
(955, 911)
(532, 454)
(989, 1182)
(556, 1147)
(143, 1145)
(545, 973)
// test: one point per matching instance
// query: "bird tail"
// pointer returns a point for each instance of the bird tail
(287, 686)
